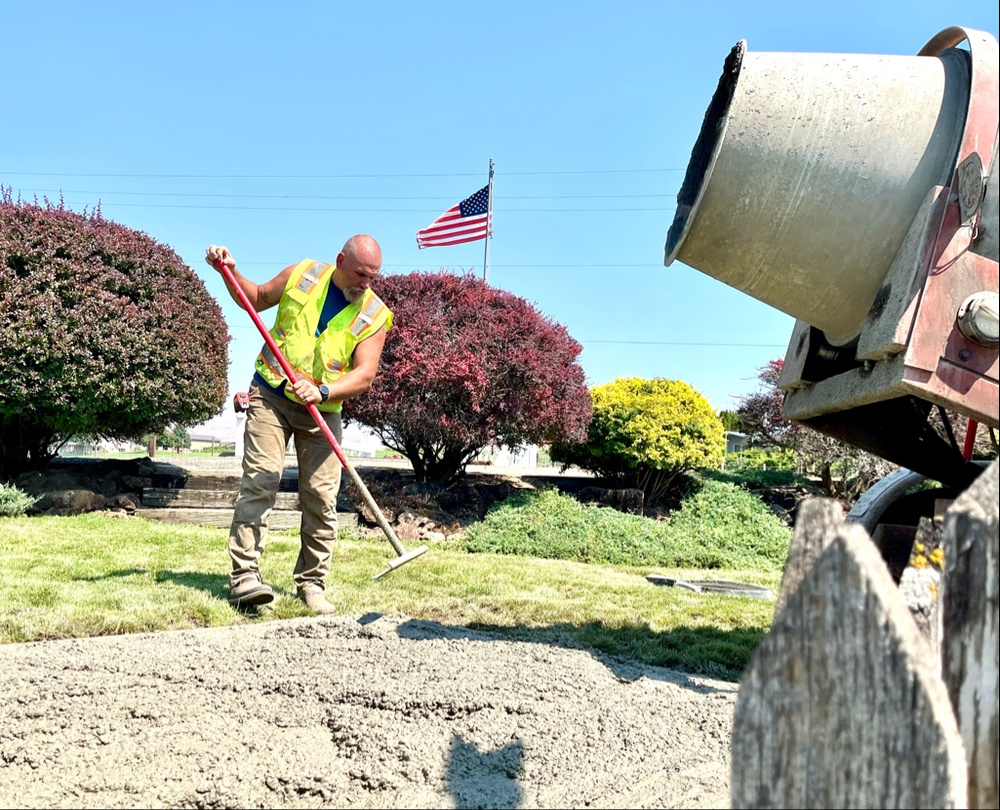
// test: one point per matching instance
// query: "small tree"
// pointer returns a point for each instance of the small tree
(731, 421)
(180, 438)
(103, 332)
(644, 433)
(761, 415)
(466, 366)
(844, 470)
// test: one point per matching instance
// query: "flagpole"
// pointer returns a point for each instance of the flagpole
(489, 227)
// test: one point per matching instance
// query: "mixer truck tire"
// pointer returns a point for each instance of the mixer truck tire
(890, 511)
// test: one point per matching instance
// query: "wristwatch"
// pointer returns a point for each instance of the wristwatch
(324, 393)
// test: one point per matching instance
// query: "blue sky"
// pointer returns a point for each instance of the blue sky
(280, 129)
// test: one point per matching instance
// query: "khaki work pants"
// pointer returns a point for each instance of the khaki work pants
(271, 421)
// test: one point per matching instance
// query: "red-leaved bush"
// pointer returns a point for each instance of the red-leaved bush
(760, 413)
(845, 471)
(104, 332)
(467, 366)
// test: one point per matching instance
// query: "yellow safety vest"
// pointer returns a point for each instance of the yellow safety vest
(325, 358)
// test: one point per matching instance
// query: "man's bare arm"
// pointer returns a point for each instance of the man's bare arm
(261, 296)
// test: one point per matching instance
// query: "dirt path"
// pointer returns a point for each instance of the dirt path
(367, 711)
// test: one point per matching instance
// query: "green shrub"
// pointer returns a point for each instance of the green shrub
(14, 502)
(717, 526)
(725, 522)
(758, 479)
(545, 523)
(763, 458)
(645, 433)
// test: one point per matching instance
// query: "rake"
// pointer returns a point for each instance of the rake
(402, 555)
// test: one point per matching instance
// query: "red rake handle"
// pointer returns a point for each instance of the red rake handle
(223, 268)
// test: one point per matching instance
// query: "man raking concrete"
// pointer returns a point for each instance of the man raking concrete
(325, 347)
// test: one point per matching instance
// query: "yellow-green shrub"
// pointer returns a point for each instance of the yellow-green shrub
(644, 433)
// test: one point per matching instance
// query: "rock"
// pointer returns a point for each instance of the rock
(397, 494)
(55, 481)
(408, 532)
(125, 502)
(144, 466)
(455, 496)
(76, 501)
(407, 517)
(117, 514)
(136, 483)
(71, 486)
(30, 481)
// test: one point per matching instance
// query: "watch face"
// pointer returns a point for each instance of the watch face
(324, 392)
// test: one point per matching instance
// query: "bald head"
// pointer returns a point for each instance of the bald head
(364, 248)
(358, 264)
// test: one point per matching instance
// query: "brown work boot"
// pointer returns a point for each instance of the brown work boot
(249, 591)
(312, 595)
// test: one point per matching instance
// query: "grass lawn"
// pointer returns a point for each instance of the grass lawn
(94, 575)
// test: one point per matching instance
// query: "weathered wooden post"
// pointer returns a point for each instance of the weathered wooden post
(844, 703)
(971, 664)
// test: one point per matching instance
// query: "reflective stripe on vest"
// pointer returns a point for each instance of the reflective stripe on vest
(271, 359)
(366, 317)
(310, 277)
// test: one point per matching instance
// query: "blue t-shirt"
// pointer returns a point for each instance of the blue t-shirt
(334, 302)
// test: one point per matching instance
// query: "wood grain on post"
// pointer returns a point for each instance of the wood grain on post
(843, 704)
(971, 660)
(815, 527)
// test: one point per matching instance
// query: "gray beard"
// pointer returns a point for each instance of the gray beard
(352, 295)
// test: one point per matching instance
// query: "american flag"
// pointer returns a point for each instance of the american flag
(465, 222)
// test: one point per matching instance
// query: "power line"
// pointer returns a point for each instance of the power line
(297, 209)
(333, 197)
(331, 176)
(675, 343)
(641, 342)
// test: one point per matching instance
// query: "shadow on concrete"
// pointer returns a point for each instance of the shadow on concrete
(683, 649)
(484, 779)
